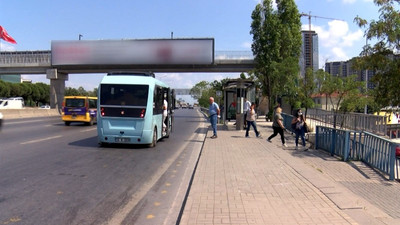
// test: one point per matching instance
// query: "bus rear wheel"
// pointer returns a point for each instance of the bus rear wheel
(154, 141)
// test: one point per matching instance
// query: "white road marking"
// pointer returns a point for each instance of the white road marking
(39, 140)
(29, 121)
(90, 129)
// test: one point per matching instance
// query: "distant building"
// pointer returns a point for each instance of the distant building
(344, 69)
(11, 78)
(309, 52)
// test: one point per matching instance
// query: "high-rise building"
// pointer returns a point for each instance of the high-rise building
(344, 69)
(309, 51)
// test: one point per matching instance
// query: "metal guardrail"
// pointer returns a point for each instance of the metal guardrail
(378, 152)
(351, 121)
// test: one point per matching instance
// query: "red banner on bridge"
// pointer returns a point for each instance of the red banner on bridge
(4, 35)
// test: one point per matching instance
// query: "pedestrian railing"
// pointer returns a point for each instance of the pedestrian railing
(287, 121)
(377, 152)
(353, 121)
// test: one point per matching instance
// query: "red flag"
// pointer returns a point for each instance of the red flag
(5, 36)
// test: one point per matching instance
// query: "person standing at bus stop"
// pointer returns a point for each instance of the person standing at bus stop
(246, 108)
(213, 114)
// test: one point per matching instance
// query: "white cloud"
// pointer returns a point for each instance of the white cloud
(348, 1)
(6, 47)
(339, 53)
(353, 37)
(247, 45)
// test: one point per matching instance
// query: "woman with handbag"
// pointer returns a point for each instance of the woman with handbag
(299, 123)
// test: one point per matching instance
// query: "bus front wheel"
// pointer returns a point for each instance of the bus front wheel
(154, 141)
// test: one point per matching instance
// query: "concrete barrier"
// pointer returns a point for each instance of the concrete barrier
(28, 112)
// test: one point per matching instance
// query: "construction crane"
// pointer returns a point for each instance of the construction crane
(309, 18)
(310, 57)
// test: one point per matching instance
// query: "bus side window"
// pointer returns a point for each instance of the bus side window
(158, 100)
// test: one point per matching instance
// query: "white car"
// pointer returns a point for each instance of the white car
(44, 107)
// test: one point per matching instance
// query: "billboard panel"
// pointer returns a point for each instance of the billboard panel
(137, 52)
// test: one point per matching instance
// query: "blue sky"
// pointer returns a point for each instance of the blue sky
(34, 24)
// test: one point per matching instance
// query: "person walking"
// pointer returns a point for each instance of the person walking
(214, 113)
(250, 119)
(298, 123)
(278, 127)
(246, 108)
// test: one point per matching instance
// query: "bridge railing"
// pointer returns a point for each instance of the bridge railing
(8, 59)
(234, 55)
(353, 121)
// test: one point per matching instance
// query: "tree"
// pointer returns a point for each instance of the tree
(5, 89)
(203, 90)
(380, 57)
(276, 47)
(307, 88)
(197, 90)
(44, 90)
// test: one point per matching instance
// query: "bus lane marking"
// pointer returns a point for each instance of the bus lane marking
(39, 140)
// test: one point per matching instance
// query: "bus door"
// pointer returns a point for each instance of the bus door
(166, 111)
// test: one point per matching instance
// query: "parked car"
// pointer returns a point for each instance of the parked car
(12, 103)
(44, 107)
(190, 106)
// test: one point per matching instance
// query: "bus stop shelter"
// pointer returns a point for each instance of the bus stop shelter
(235, 91)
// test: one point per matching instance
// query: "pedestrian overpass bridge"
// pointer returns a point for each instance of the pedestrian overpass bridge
(72, 57)
(39, 62)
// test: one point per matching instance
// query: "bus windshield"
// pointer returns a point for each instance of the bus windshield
(124, 95)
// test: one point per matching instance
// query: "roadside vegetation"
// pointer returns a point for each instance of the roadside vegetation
(36, 94)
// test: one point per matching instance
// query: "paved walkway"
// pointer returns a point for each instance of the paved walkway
(251, 181)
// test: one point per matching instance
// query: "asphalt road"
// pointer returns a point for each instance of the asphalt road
(56, 174)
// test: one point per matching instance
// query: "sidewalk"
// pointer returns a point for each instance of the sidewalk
(251, 181)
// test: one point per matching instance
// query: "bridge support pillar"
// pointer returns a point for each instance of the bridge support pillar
(57, 87)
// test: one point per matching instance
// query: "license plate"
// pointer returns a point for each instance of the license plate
(122, 140)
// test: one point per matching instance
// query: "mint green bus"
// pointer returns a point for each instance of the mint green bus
(130, 109)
